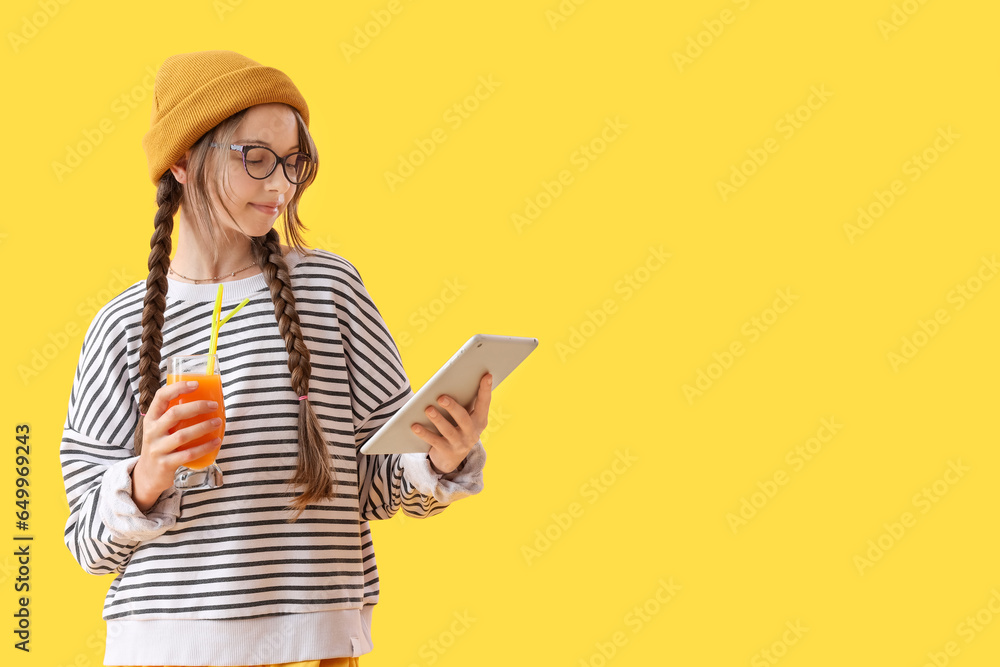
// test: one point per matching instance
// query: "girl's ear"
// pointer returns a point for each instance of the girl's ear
(179, 168)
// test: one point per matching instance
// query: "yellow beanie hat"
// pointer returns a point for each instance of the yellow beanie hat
(194, 92)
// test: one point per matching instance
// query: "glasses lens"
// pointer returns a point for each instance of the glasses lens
(260, 162)
(298, 167)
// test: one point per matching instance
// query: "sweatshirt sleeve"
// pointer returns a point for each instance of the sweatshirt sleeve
(379, 388)
(104, 525)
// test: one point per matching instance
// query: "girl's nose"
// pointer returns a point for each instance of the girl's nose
(277, 181)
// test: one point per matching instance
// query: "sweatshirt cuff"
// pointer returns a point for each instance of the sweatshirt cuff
(123, 518)
(463, 481)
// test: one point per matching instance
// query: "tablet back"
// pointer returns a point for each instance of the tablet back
(459, 378)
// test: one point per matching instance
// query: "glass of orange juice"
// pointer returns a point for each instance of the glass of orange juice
(203, 472)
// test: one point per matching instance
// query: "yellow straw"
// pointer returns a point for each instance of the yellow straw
(215, 330)
(234, 311)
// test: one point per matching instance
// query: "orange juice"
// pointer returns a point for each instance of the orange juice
(209, 389)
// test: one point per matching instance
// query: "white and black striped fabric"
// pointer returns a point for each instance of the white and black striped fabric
(226, 562)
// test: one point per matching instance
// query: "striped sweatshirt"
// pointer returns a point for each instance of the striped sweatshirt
(219, 576)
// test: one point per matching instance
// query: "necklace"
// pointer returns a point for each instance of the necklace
(202, 280)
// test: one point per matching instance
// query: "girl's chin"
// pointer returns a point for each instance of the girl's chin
(258, 224)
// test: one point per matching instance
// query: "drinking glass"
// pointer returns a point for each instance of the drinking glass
(203, 472)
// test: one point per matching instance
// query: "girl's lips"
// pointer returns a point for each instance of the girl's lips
(269, 210)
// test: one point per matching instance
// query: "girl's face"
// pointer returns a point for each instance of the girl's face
(256, 204)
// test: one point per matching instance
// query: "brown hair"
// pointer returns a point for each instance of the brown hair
(206, 170)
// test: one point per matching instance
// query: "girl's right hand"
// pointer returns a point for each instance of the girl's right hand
(158, 461)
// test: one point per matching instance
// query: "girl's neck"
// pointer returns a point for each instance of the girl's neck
(194, 261)
(196, 268)
(190, 269)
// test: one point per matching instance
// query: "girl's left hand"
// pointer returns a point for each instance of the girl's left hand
(456, 440)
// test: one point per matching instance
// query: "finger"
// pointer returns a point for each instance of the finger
(189, 410)
(482, 406)
(186, 435)
(167, 393)
(165, 422)
(443, 425)
(462, 419)
(185, 456)
(428, 436)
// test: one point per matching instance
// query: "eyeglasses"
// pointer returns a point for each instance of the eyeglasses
(260, 161)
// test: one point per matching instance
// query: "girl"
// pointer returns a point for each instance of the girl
(276, 566)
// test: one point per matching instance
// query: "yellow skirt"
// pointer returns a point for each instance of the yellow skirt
(328, 662)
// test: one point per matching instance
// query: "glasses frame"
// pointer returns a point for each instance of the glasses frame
(244, 149)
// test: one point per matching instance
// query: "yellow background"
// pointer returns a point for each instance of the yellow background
(562, 419)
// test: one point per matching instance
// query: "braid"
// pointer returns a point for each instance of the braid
(313, 470)
(168, 198)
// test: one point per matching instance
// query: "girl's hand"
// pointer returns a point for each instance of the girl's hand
(154, 471)
(456, 439)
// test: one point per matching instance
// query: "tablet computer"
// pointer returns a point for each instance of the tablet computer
(459, 378)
